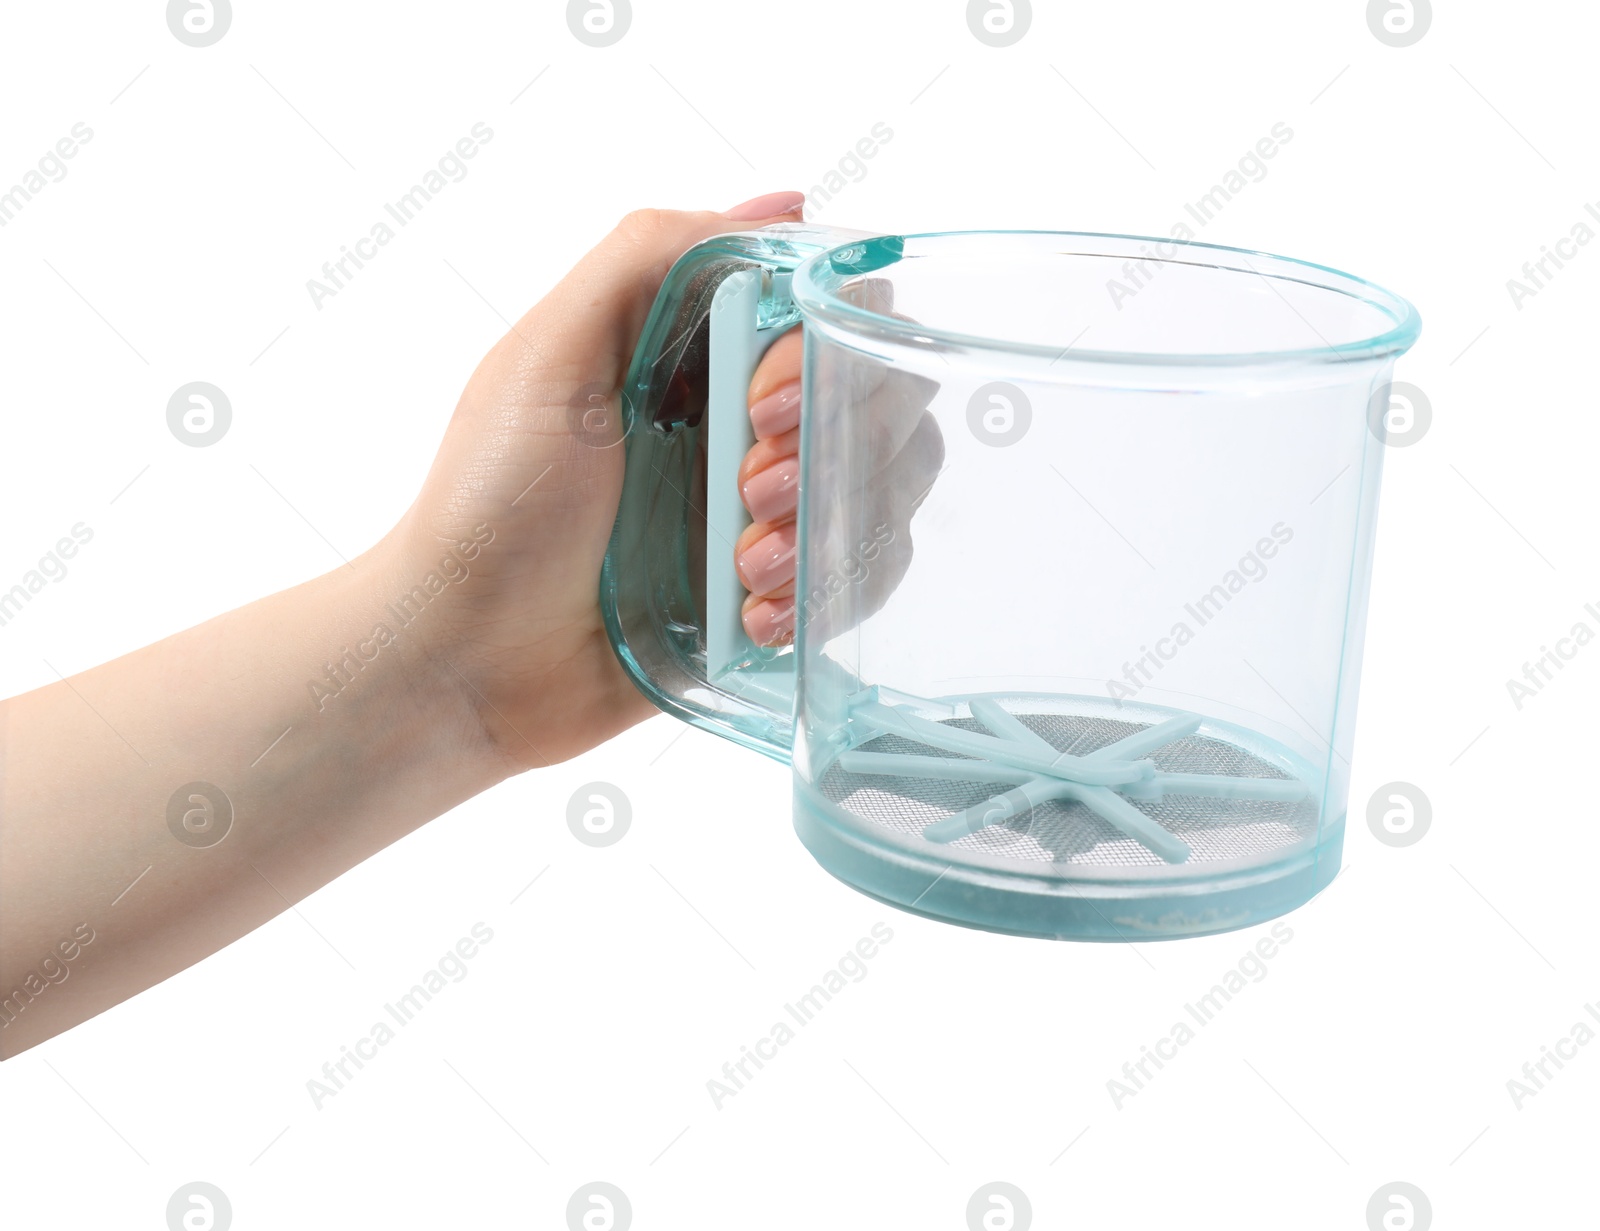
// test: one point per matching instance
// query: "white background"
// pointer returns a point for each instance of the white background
(1379, 1045)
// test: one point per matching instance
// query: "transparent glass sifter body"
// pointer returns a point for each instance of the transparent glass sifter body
(1084, 543)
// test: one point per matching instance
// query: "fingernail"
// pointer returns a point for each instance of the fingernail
(769, 206)
(768, 562)
(778, 412)
(770, 623)
(774, 492)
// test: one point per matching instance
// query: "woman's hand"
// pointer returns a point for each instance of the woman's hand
(883, 456)
(156, 808)
(769, 484)
(524, 460)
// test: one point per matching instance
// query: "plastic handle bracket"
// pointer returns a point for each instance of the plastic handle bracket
(737, 344)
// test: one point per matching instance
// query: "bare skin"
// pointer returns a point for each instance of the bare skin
(769, 495)
(896, 455)
(504, 666)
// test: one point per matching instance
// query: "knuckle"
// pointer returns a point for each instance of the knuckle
(644, 224)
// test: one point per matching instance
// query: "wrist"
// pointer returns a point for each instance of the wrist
(391, 678)
(521, 657)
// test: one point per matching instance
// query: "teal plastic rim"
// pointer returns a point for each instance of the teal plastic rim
(817, 284)
(1015, 903)
(1066, 900)
(685, 651)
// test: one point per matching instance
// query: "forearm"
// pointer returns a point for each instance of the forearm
(317, 769)
(319, 725)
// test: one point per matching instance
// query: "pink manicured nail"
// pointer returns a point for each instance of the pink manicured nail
(769, 206)
(770, 623)
(768, 562)
(774, 492)
(778, 412)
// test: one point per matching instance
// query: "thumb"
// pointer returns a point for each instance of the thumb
(513, 426)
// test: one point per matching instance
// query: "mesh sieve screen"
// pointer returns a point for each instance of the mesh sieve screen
(1067, 832)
